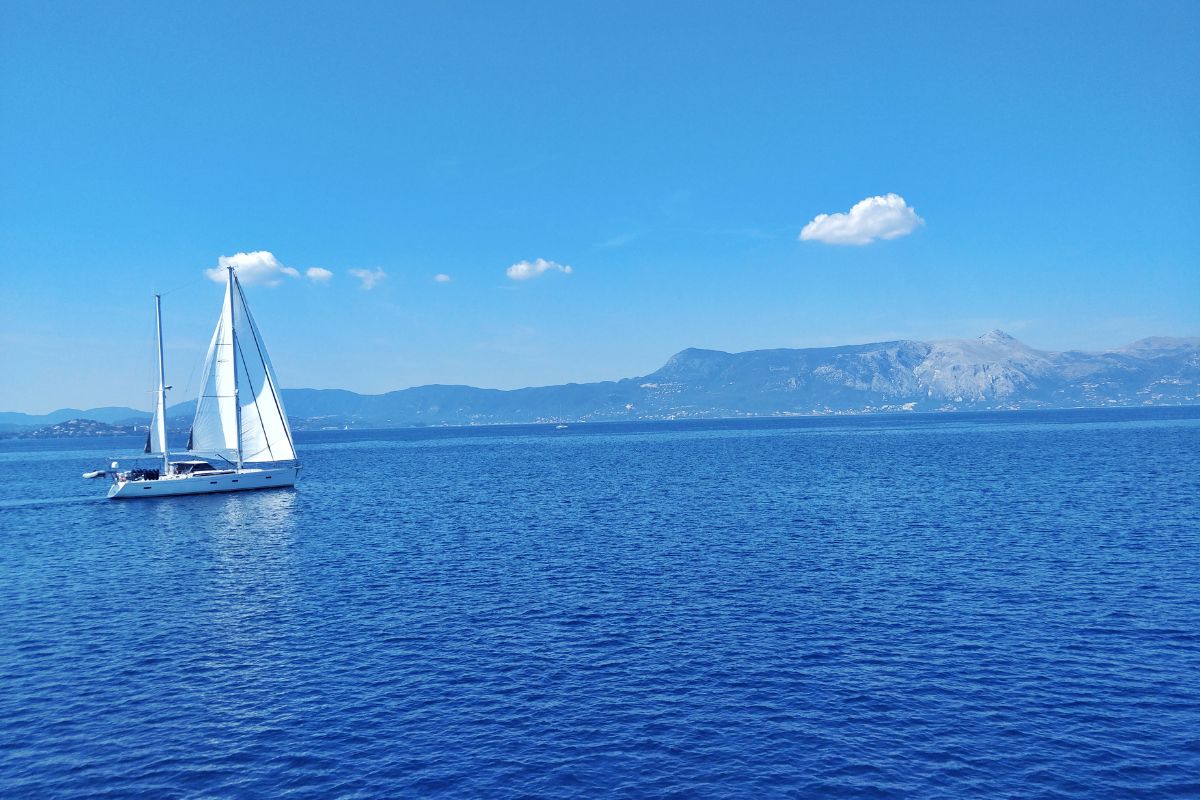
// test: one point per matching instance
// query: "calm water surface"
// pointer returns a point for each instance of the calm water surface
(999, 605)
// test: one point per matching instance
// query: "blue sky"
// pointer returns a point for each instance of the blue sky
(670, 154)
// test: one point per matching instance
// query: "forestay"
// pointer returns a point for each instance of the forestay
(239, 413)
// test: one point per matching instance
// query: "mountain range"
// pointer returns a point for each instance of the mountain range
(994, 371)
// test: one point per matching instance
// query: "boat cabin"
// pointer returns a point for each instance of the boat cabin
(195, 468)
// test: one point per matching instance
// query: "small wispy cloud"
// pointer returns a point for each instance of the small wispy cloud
(620, 240)
(525, 270)
(441, 277)
(751, 234)
(370, 278)
(260, 267)
(880, 217)
(318, 274)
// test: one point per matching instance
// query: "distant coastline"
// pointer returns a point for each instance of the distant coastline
(76, 428)
(992, 372)
(89, 429)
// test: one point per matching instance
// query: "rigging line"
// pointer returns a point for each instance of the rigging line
(287, 430)
(186, 285)
(211, 354)
(200, 397)
(257, 410)
(188, 386)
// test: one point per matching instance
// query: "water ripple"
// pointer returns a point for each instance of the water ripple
(847, 608)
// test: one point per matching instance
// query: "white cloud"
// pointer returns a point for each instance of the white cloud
(442, 277)
(879, 217)
(524, 270)
(261, 268)
(370, 277)
(318, 274)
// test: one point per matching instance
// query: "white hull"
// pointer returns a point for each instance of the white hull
(242, 481)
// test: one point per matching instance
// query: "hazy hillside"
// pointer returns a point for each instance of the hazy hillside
(990, 372)
(993, 371)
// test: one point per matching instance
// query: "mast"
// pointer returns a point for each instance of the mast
(233, 355)
(161, 400)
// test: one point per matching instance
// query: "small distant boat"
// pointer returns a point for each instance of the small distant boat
(239, 418)
(559, 427)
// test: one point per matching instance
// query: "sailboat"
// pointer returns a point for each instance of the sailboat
(239, 418)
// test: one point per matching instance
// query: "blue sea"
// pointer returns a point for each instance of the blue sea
(934, 606)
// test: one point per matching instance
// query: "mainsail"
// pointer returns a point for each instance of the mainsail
(239, 413)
